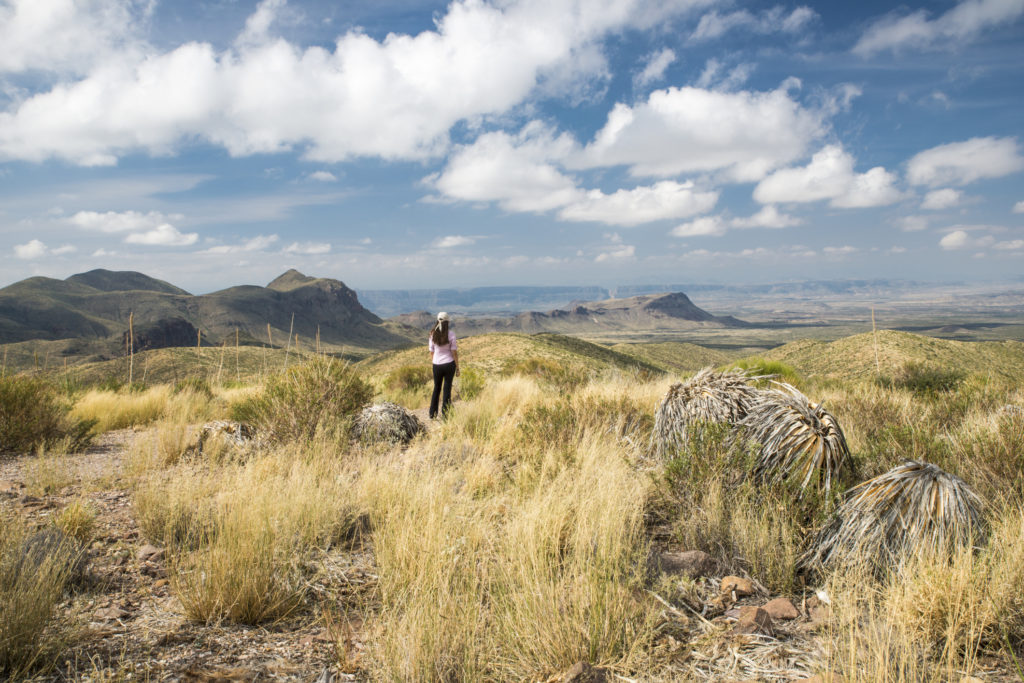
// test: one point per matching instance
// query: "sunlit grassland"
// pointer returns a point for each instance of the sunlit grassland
(513, 539)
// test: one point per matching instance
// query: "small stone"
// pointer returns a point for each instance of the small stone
(737, 586)
(150, 553)
(160, 583)
(781, 608)
(110, 613)
(817, 610)
(692, 563)
(583, 672)
(752, 620)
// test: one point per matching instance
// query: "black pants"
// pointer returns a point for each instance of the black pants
(444, 374)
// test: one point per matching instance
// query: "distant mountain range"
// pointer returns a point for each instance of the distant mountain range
(658, 312)
(509, 300)
(97, 304)
(94, 309)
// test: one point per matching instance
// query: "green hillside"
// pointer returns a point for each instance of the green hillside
(494, 352)
(854, 357)
(674, 357)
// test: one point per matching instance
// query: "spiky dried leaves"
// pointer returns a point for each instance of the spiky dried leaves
(386, 422)
(914, 506)
(799, 441)
(708, 396)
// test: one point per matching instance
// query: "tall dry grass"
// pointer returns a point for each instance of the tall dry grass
(120, 409)
(31, 585)
(542, 571)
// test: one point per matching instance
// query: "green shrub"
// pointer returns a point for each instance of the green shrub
(408, 378)
(470, 383)
(562, 375)
(923, 378)
(762, 366)
(196, 385)
(32, 414)
(321, 394)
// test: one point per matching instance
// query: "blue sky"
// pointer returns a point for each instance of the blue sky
(413, 144)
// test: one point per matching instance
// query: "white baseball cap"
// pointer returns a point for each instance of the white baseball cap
(442, 317)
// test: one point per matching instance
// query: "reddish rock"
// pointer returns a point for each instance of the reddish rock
(736, 587)
(818, 610)
(752, 620)
(781, 608)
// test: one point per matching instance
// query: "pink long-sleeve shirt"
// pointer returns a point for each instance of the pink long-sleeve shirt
(443, 353)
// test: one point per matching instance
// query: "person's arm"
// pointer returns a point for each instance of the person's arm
(455, 355)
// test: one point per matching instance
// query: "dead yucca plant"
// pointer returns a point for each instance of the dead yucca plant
(799, 441)
(915, 506)
(708, 396)
(386, 422)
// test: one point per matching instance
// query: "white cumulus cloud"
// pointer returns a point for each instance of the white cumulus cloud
(323, 176)
(164, 235)
(830, 175)
(685, 130)
(768, 217)
(666, 199)
(65, 35)
(32, 249)
(945, 198)
(963, 239)
(704, 226)
(960, 163)
(1009, 245)
(1018, 207)
(120, 221)
(394, 98)
(955, 27)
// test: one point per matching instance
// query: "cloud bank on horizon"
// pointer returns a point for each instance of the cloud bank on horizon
(421, 144)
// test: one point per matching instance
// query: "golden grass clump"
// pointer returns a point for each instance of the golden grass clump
(32, 580)
(708, 396)
(800, 442)
(913, 507)
(239, 534)
(121, 409)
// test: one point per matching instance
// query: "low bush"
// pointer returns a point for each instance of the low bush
(322, 394)
(757, 366)
(562, 375)
(32, 415)
(408, 378)
(195, 385)
(924, 378)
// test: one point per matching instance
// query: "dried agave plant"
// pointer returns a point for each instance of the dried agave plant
(708, 396)
(386, 422)
(799, 440)
(914, 506)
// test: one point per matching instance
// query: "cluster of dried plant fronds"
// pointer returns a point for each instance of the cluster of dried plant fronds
(800, 442)
(386, 422)
(708, 396)
(914, 506)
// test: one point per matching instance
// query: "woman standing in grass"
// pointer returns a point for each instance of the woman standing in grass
(444, 355)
